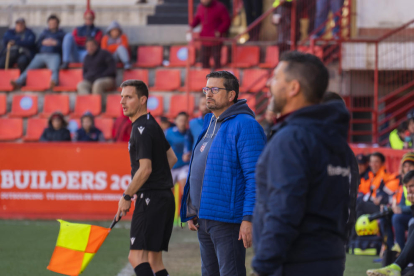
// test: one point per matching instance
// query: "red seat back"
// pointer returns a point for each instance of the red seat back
(69, 79)
(11, 129)
(105, 125)
(3, 104)
(150, 56)
(247, 56)
(197, 79)
(84, 103)
(254, 80)
(251, 100)
(54, 103)
(272, 56)
(167, 80)
(6, 76)
(178, 103)
(24, 106)
(113, 106)
(35, 128)
(155, 105)
(180, 54)
(37, 80)
(136, 74)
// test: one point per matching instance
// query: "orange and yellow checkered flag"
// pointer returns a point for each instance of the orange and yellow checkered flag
(75, 247)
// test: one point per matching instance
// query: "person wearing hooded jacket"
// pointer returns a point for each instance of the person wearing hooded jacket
(306, 176)
(116, 42)
(56, 131)
(220, 192)
(88, 132)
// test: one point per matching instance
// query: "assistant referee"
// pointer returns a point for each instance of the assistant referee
(151, 161)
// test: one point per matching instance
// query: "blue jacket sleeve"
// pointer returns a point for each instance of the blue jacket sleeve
(287, 187)
(188, 144)
(29, 40)
(404, 208)
(7, 37)
(250, 144)
(41, 38)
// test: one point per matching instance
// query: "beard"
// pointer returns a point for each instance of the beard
(280, 104)
(213, 105)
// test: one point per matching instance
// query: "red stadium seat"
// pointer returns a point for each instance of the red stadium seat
(155, 105)
(24, 106)
(37, 80)
(179, 55)
(105, 125)
(54, 103)
(197, 80)
(178, 103)
(150, 56)
(251, 100)
(113, 106)
(6, 76)
(75, 65)
(254, 80)
(35, 128)
(11, 129)
(3, 104)
(84, 103)
(246, 56)
(68, 80)
(135, 74)
(272, 58)
(167, 80)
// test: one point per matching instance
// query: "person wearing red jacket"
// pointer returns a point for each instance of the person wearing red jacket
(215, 22)
(73, 47)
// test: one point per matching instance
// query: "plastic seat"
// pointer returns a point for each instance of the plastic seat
(113, 106)
(197, 80)
(105, 125)
(135, 74)
(6, 76)
(251, 100)
(24, 106)
(272, 58)
(167, 80)
(37, 80)
(75, 65)
(246, 56)
(155, 105)
(54, 103)
(35, 128)
(68, 80)
(254, 80)
(84, 103)
(179, 55)
(178, 103)
(3, 104)
(150, 56)
(11, 129)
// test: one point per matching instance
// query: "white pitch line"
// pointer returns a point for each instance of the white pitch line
(127, 271)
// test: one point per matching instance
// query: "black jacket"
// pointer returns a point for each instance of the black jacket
(99, 65)
(303, 180)
(52, 135)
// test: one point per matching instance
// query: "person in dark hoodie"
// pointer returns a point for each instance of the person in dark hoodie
(99, 70)
(21, 41)
(220, 192)
(56, 131)
(116, 42)
(50, 49)
(304, 176)
(88, 132)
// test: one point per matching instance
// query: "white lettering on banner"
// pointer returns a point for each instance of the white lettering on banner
(59, 196)
(21, 196)
(60, 180)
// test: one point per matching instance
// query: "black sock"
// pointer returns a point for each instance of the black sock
(143, 269)
(162, 273)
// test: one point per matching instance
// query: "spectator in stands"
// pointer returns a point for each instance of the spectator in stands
(50, 49)
(253, 9)
(165, 124)
(116, 42)
(99, 70)
(88, 132)
(56, 131)
(176, 137)
(74, 43)
(322, 11)
(215, 22)
(196, 125)
(380, 187)
(121, 131)
(410, 119)
(398, 137)
(21, 42)
(363, 167)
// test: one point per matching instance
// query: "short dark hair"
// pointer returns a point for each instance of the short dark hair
(140, 87)
(408, 177)
(379, 155)
(231, 83)
(53, 17)
(182, 113)
(309, 71)
(91, 39)
(403, 127)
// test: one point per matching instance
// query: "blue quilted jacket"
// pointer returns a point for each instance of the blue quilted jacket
(229, 186)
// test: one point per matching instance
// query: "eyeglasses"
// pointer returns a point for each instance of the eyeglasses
(214, 90)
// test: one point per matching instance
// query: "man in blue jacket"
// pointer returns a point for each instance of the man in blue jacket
(303, 176)
(21, 42)
(50, 49)
(220, 192)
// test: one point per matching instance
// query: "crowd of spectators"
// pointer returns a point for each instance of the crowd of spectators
(402, 137)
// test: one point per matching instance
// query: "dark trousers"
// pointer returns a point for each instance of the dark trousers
(21, 59)
(222, 254)
(328, 267)
(253, 9)
(407, 255)
(207, 52)
(400, 225)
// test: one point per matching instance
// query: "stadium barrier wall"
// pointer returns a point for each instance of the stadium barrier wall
(79, 181)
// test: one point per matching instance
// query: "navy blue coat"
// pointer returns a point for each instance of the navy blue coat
(58, 36)
(25, 39)
(303, 190)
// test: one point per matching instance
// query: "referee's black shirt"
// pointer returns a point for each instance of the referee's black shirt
(148, 142)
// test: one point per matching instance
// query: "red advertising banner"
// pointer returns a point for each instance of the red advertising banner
(62, 180)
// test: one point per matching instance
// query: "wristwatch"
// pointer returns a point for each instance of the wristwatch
(127, 197)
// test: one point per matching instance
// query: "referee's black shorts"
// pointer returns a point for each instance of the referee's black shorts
(152, 221)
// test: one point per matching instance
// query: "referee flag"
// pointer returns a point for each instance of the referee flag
(75, 247)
